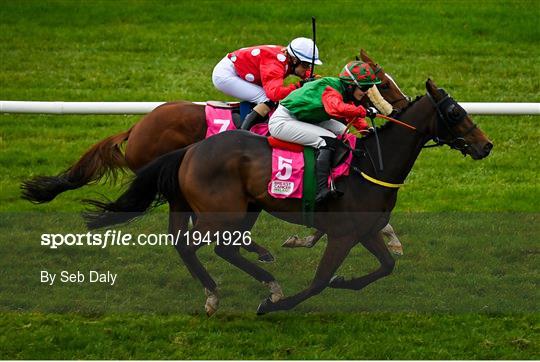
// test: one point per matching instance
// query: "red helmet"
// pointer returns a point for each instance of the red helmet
(358, 73)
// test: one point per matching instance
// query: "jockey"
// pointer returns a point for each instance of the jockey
(256, 74)
(308, 115)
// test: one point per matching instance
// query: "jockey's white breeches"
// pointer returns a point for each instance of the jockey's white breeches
(226, 80)
(284, 126)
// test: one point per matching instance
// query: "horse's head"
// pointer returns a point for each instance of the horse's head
(454, 127)
(388, 87)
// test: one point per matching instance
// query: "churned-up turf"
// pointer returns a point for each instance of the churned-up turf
(467, 286)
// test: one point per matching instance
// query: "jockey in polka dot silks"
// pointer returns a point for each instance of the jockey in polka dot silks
(256, 74)
(315, 114)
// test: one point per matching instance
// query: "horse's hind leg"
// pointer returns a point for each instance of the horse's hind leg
(334, 254)
(375, 244)
(393, 244)
(233, 256)
(306, 242)
(178, 223)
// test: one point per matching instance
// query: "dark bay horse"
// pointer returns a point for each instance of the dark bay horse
(169, 127)
(224, 180)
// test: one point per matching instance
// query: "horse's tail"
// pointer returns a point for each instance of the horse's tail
(102, 159)
(154, 184)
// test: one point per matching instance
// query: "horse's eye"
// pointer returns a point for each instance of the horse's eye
(383, 86)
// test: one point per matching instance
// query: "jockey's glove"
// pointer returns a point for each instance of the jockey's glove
(371, 112)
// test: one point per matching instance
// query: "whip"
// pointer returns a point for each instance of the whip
(313, 29)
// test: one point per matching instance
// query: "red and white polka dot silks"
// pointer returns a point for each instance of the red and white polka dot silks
(264, 65)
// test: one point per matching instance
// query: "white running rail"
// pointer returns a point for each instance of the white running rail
(498, 108)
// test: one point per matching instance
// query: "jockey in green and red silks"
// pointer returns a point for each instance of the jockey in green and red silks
(256, 74)
(315, 114)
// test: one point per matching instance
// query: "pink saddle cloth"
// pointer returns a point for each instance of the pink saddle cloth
(288, 168)
(219, 119)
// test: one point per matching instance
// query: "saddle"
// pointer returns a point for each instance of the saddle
(340, 155)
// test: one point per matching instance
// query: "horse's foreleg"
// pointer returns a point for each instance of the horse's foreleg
(233, 256)
(247, 224)
(306, 242)
(393, 244)
(375, 244)
(334, 254)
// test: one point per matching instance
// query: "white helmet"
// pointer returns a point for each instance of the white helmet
(302, 48)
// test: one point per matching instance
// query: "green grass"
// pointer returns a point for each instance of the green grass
(290, 336)
(467, 287)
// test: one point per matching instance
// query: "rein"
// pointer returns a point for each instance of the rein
(396, 121)
(453, 115)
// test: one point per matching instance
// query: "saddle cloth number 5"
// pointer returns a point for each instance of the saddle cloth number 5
(285, 168)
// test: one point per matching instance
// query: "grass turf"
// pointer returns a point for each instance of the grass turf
(484, 254)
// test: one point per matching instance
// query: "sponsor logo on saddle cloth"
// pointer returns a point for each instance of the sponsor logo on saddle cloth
(288, 168)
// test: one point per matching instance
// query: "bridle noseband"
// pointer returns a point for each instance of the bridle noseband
(449, 115)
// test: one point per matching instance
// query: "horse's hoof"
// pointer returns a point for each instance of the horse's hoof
(290, 242)
(212, 302)
(335, 281)
(209, 310)
(265, 307)
(266, 258)
(296, 242)
(396, 249)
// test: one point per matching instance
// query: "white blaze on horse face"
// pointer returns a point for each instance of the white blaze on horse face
(394, 82)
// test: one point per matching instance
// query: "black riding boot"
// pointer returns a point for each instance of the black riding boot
(258, 115)
(323, 171)
(324, 163)
(252, 119)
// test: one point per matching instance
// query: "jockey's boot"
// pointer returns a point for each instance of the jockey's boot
(324, 161)
(257, 115)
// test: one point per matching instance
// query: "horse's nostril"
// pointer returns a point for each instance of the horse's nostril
(488, 147)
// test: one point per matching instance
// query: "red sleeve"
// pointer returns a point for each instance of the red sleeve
(272, 77)
(335, 106)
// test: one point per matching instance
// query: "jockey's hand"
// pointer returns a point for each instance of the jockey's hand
(371, 112)
(368, 131)
(360, 124)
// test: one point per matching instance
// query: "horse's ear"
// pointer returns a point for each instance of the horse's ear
(356, 57)
(431, 88)
(365, 58)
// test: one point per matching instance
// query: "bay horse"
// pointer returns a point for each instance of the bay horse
(169, 127)
(224, 181)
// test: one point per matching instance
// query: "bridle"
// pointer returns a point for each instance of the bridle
(449, 115)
